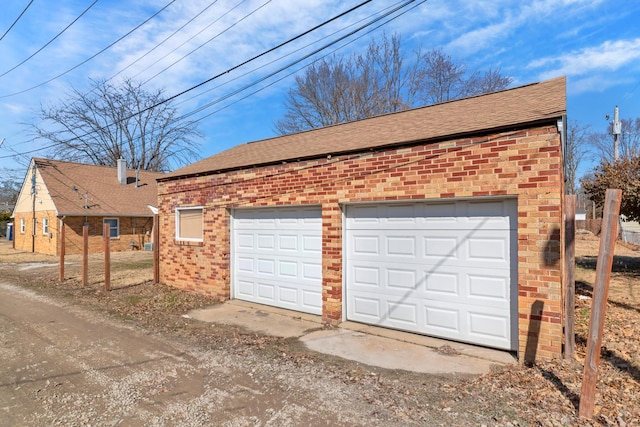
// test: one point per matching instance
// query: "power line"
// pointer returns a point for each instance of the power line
(190, 38)
(208, 41)
(17, 19)
(163, 41)
(300, 49)
(306, 56)
(403, 5)
(93, 56)
(50, 41)
(212, 78)
(291, 40)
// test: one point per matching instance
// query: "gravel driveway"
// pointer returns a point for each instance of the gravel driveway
(65, 366)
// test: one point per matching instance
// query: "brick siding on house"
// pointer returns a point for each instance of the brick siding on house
(525, 164)
(40, 242)
(131, 229)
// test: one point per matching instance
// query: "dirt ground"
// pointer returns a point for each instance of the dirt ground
(546, 394)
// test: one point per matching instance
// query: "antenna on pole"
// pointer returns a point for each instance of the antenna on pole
(616, 130)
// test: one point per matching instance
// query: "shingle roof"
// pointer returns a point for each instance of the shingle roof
(499, 110)
(69, 182)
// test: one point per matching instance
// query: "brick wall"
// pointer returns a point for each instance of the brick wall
(38, 242)
(525, 164)
(131, 229)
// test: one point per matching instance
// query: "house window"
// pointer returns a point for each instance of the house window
(45, 225)
(22, 226)
(114, 227)
(189, 224)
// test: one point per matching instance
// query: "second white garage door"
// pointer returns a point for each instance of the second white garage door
(277, 257)
(445, 269)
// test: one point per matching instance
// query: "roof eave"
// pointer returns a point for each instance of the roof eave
(552, 119)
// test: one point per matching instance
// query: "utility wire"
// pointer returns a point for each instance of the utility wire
(208, 41)
(163, 41)
(50, 41)
(17, 19)
(245, 62)
(210, 79)
(258, 56)
(93, 56)
(189, 39)
(298, 50)
(306, 56)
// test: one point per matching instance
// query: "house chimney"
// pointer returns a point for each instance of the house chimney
(122, 171)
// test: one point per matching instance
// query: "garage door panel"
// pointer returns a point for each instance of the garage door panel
(401, 246)
(457, 285)
(403, 314)
(488, 325)
(366, 276)
(488, 287)
(266, 241)
(288, 269)
(277, 257)
(245, 240)
(287, 294)
(450, 270)
(245, 288)
(442, 320)
(310, 298)
(312, 244)
(288, 242)
(245, 264)
(311, 271)
(364, 309)
(442, 285)
(266, 291)
(366, 245)
(477, 248)
(401, 279)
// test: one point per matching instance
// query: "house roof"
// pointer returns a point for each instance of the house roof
(68, 183)
(509, 108)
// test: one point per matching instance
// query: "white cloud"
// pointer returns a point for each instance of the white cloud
(608, 56)
(489, 23)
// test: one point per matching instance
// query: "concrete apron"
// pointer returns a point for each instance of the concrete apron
(371, 345)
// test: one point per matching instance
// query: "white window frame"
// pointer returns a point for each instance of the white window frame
(117, 227)
(45, 225)
(22, 226)
(189, 239)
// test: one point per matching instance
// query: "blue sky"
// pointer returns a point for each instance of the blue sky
(596, 44)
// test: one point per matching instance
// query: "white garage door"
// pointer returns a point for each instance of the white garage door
(277, 257)
(444, 269)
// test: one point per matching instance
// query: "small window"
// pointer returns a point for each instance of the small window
(22, 226)
(189, 224)
(114, 227)
(45, 225)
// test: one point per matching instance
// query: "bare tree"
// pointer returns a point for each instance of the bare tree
(113, 122)
(629, 142)
(340, 89)
(575, 151)
(440, 78)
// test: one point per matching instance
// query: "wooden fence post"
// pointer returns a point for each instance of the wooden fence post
(106, 236)
(570, 279)
(62, 250)
(599, 304)
(156, 249)
(85, 254)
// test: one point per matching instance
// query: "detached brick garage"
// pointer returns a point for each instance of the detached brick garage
(443, 220)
